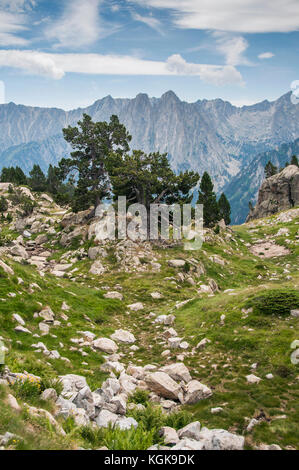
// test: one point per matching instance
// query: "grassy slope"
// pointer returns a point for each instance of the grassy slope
(222, 365)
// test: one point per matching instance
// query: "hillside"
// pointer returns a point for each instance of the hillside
(147, 335)
(212, 136)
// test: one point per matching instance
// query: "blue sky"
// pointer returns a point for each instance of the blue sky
(69, 53)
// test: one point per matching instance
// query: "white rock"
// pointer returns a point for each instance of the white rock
(253, 379)
(219, 439)
(176, 263)
(126, 423)
(192, 431)
(216, 410)
(106, 345)
(136, 307)
(105, 418)
(6, 268)
(177, 372)
(18, 319)
(114, 295)
(170, 435)
(162, 384)
(21, 329)
(123, 336)
(196, 391)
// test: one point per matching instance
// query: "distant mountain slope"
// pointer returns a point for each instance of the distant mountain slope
(206, 135)
(244, 187)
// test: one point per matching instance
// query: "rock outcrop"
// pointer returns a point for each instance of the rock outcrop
(277, 193)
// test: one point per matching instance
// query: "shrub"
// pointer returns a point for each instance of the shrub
(275, 302)
(26, 389)
(132, 439)
(139, 397)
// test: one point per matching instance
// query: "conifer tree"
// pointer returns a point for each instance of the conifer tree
(270, 169)
(224, 209)
(37, 180)
(207, 197)
(294, 160)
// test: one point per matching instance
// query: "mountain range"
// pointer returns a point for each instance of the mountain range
(229, 142)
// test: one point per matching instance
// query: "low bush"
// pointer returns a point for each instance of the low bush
(275, 302)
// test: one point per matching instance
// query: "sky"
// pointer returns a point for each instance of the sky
(69, 53)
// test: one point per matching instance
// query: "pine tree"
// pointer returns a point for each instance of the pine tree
(294, 160)
(37, 180)
(148, 179)
(270, 169)
(224, 209)
(92, 143)
(207, 197)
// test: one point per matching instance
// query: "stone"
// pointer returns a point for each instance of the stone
(192, 431)
(174, 343)
(203, 343)
(8, 436)
(269, 376)
(136, 307)
(114, 295)
(216, 410)
(219, 439)
(170, 332)
(7, 269)
(177, 372)
(253, 422)
(165, 319)
(106, 345)
(47, 314)
(49, 394)
(105, 418)
(169, 434)
(97, 268)
(162, 384)
(123, 336)
(295, 313)
(253, 379)
(19, 250)
(277, 193)
(120, 402)
(40, 412)
(44, 328)
(156, 295)
(196, 391)
(18, 319)
(21, 329)
(176, 263)
(188, 444)
(65, 307)
(12, 402)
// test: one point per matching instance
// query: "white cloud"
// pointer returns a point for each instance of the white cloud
(232, 47)
(79, 25)
(266, 55)
(245, 16)
(10, 25)
(149, 21)
(214, 74)
(32, 62)
(56, 65)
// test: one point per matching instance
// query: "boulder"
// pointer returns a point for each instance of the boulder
(47, 314)
(6, 268)
(106, 345)
(114, 295)
(97, 268)
(169, 434)
(196, 391)
(177, 372)
(192, 431)
(123, 336)
(105, 418)
(176, 263)
(136, 307)
(277, 193)
(163, 385)
(219, 439)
